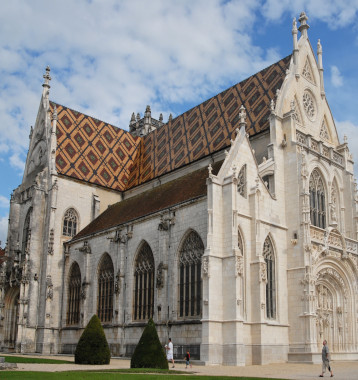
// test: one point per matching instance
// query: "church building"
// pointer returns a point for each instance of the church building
(233, 226)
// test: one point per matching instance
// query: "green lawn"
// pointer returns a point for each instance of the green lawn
(20, 359)
(78, 375)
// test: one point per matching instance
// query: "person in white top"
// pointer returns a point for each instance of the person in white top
(169, 348)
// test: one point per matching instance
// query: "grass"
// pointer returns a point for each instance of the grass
(79, 375)
(20, 359)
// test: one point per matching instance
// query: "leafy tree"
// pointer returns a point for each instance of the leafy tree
(149, 352)
(92, 348)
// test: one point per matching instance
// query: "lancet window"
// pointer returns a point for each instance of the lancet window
(269, 256)
(190, 292)
(143, 303)
(70, 222)
(105, 289)
(74, 295)
(26, 235)
(317, 200)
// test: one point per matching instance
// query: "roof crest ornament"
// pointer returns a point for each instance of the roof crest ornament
(304, 26)
(46, 85)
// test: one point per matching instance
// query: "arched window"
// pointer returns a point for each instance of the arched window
(70, 221)
(190, 256)
(317, 200)
(105, 289)
(269, 257)
(144, 284)
(26, 235)
(74, 295)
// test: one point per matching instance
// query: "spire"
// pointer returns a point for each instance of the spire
(54, 114)
(295, 45)
(320, 66)
(170, 117)
(47, 78)
(46, 85)
(304, 26)
(161, 118)
(242, 116)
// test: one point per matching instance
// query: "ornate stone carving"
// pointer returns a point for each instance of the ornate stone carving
(323, 133)
(160, 276)
(241, 182)
(309, 105)
(263, 272)
(239, 264)
(294, 112)
(117, 283)
(307, 72)
(205, 265)
(85, 248)
(51, 242)
(49, 294)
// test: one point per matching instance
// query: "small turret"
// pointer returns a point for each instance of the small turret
(142, 126)
(295, 46)
(304, 26)
(320, 67)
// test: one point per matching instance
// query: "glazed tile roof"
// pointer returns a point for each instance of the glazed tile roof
(93, 151)
(97, 152)
(185, 188)
(209, 127)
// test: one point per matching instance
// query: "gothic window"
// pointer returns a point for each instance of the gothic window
(143, 302)
(190, 257)
(241, 181)
(70, 221)
(317, 200)
(269, 257)
(105, 289)
(74, 294)
(26, 235)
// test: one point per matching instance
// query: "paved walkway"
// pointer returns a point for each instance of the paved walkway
(341, 370)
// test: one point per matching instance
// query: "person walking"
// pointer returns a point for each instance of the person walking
(187, 360)
(170, 352)
(325, 359)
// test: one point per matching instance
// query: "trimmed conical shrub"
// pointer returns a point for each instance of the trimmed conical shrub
(92, 348)
(149, 353)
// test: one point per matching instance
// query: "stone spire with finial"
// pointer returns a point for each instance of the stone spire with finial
(320, 66)
(242, 116)
(46, 85)
(304, 26)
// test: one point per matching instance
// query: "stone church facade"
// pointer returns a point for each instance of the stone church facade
(233, 225)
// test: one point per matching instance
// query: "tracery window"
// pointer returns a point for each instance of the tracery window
(26, 235)
(190, 285)
(143, 305)
(309, 105)
(324, 131)
(70, 222)
(105, 289)
(74, 295)
(317, 200)
(269, 257)
(241, 181)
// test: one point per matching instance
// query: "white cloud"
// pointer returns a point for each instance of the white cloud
(336, 13)
(349, 129)
(336, 77)
(4, 202)
(3, 230)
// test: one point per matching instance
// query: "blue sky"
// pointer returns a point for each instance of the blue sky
(111, 58)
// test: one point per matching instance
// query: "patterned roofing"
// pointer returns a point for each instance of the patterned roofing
(91, 150)
(209, 127)
(190, 186)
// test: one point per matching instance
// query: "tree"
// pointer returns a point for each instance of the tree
(92, 348)
(149, 352)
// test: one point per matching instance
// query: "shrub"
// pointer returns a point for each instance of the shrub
(149, 352)
(92, 348)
